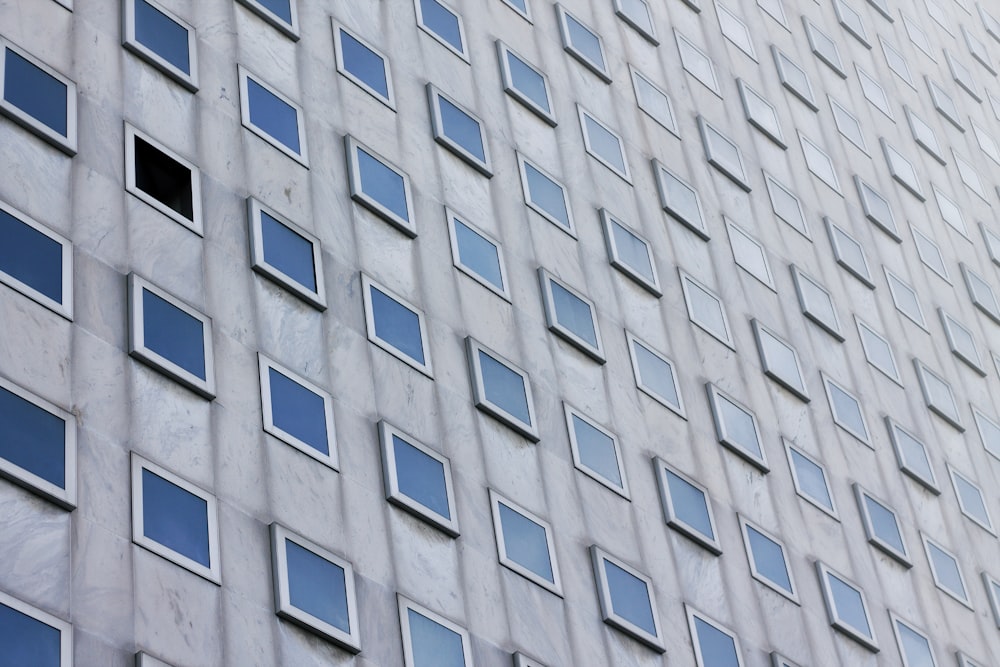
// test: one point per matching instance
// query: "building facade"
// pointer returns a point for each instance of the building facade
(493, 332)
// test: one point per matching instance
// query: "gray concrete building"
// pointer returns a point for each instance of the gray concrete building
(499, 332)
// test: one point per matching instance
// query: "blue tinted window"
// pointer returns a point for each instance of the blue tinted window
(629, 597)
(546, 194)
(27, 641)
(504, 388)
(287, 251)
(884, 524)
(739, 426)
(521, 5)
(317, 586)
(586, 42)
(364, 63)
(946, 569)
(162, 35)
(633, 252)
(525, 542)
(433, 644)
(655, 374)
(573, 313)
(31, 257)
(717, 648)
(175, 518)
(273, 115)
(33, 439)
(383, 184)
(421, 477)
(812, 480)
(690, 504)
(35, 92)
(604, 143)
(397, 325)
(914, 646)
(298, 411)
(478, 254)
(173, 334)
(769, 559)
(849, 605)
(528, 81)
(597, 451)
(280, 8)
(443, 22)
(461, 128)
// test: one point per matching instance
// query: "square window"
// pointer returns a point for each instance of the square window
(723, 154)
(380, 186)
(175, 519)
(163, 39)
(297, 412)
(779, 360)
(163, 179)
(810, 480)
(604, 144)
(630, 253)
(501, 389)
(714, 645)
(680, 200)
(654, 375)
(775, 10)
(571, 316)
(458, 130)
(627, 600)
(970, 500)
(882, 526)
(735, 30)
(877, 209)
(736, 427)
(981, 293)
(639, 15)
(760, 113)
(914, 647)
(878, 352)
(443, 24)
(363, 64)
(596, 451)
(768, 561)
(749, 254)
(652, 100)
(849, 253)
(36, 261)
(37, 444)
(396, 325)
(962, 76)
(546, 196)
(816, 303)
(905, 298)
(281, 14)
(896, 62)
(170, 336)
(287, 254)
(851, 19)
(923, 134)
(524, 543)
(273, 117)
(525, 83)
(477, 255)
(38, 97)
(993, 593)
(989, 432)
(944, 104)
(705, 309)
(686, 506)
(824, 47)
(33, 637)
(846, 410)
(819, 163)
(583, 44)
(786, 205)
(794, 78)
(846, 607)
(961, 342)
(874, 92)
(314, 589)
(950, 212)
(902, 170)
(947, 573)
(930, 254)
(417, 479)
(912, 456)
(938, 395)
(847, 124)
(431, 640)
(697, 63)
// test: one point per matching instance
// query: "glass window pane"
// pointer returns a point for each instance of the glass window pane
(629, 597)
(31, 257)
(527, 81)
(35, 92)
(914, 646)
(605, 144)
(597, 451)
(281, 8)
(397, 325)
(585, 41)
(690, 504)
(287, 251)
(32, 438)
(504, 387)
(633, 251)
(443, 22)
(383, 184)
(769, 558)
(525, 542)
(573, 313)
(162, 35)
(298, 411)
(433, 644)
(478, 254)
(740, 429)
(175, 518)
(848, 605)
(173, 334)
(811, 480)
(884, 524)
(273, 115)
(946, 571)
(27, 641)
(717, 648)
(655, 374)
(317, 586)
(364, 63)
(547, 194)
(461, 128)
(421, 477)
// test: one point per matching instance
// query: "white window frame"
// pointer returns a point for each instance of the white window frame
(778, 660)
(462, 53)
(862, 495)
(522, 660)
(835, 233)
(707, 131)
(970, 176)
(950, 324)
(870, 642)
(407, 226)
(64, 628)
(212, 573)
(783, 63)
(759, 331)
(830, 511)
(583, 114)
(865, 436)
(693, 51)
(805, 141)
(944, 104)
(137, 346)
(302, 157)
(677, 409)
(737, 232)
(671, 516)
(259, 264)
(984, 423)
(699, 226)
(653, 641)
(405, 605)
(367, 284)
(962, 75)
(554, 586)
(989, 308)
(65, 307)
(747, 47)
(772, 183)
(946, 204)
(526, 15)
(922, 373)
(832, 328)
(882, 8)
(773, 133)
(66, 143)
(600, 69)
(338, 47)
(841, 118)
(775, 10)
(924, 243)
(547, 115)
(931, 483)
(791, 594)
(290, 30)
(502, 292)
(987, 144)
(691, 613)
(649, 32)
(195, 224)
(578, 463)
(909, 181)
(129, 40)
(818, 40)
(670, 123)
(265, 365)
(555, 326)
(896, 285)
(928, 545)
(896, 622)
(893, 372)
(724, 337)
(390, 479)
(844, 15)
(434, 97)
(891, 55)
(988, 524)
(607, 221)
(528, 429)
(569, 228)
(870, 88)
(866, 193)
(721, 432)
(283, 606)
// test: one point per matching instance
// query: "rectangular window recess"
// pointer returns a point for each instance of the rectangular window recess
(162, 39)
(380, 186)
(458, 130)
(687, 506)
(477, 254)
(38, 98)
(281, 14)
(36, 261)
(630, 253)
(397, 326)
(31, 634)
(525, 544)
(163, 179)
(364, 65)
(273, 116)
(501, 389)
(571, 316)
(525, 83)
(287, 254)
